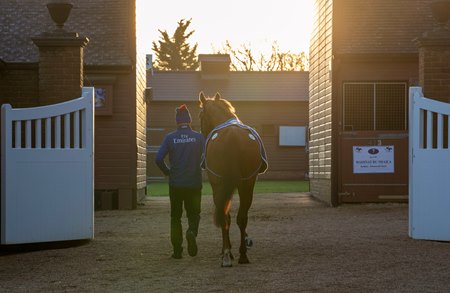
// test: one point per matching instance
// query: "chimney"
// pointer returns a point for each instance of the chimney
(60, 58)
(214, 66)
(434, 55)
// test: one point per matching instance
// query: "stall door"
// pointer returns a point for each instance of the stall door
(373, 142)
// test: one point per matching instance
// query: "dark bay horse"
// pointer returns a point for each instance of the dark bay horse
(234, 156)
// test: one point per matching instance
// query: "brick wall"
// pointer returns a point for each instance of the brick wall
(320, 188)
(120, 172)
(60, 74)
(434, 67)
(60, 67)
(381, 26)
(19, 85)
(320, 107)
(141, 124)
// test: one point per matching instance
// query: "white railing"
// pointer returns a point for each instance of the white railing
(47, 172)
(429, 167)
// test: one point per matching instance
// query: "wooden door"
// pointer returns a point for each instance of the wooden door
(373, 142)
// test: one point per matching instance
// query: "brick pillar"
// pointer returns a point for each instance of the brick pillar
(434, 55)
(60, 63)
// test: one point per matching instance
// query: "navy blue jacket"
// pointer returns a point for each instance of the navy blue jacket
(185, 148)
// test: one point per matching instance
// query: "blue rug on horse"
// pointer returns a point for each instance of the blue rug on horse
(253, 135)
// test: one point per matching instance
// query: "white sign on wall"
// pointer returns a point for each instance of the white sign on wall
(373, 159)
(292, 136)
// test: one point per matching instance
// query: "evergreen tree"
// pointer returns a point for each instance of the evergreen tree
(175, 53)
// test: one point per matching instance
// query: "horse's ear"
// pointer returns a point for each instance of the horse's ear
(202, 98)
(217, 96)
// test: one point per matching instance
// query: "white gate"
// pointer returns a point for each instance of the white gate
(429, 171)
(47, 172)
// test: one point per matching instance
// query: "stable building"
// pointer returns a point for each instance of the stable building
(274, 103)
(42, 63)
(364, 56)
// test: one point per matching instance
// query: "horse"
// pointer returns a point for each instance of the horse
(234, 156)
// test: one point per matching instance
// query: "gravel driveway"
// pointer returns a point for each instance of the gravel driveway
(300, 245)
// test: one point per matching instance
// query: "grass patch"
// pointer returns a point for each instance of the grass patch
(162, 188)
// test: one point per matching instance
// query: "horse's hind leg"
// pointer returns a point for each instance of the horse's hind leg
(246, 198)
(222, 194)
(227, 257)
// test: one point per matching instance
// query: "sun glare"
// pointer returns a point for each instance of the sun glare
(250, 22)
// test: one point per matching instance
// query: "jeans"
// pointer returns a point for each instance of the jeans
(191, 197)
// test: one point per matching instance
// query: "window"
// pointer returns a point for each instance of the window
(375, 106)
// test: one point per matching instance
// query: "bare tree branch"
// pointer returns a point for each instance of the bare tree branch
(242, 59)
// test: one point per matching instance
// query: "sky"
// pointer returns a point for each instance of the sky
(252, 22)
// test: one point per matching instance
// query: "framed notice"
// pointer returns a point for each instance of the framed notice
(373, 159)
(103, 99)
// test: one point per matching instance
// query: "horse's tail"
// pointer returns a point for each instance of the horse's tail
(221, 214)
(229, 183)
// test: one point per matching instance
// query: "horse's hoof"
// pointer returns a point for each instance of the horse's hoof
(227, 265)
(248, 242)
(227, 260)
(243, 260)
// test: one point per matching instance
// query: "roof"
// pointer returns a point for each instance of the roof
(382, 26)
(105, 22)
(240, 86)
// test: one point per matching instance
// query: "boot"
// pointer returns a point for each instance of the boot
(191, 243)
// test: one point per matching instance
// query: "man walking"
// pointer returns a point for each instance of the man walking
(185, 148)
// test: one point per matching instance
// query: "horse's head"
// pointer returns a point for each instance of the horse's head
(214, 111)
